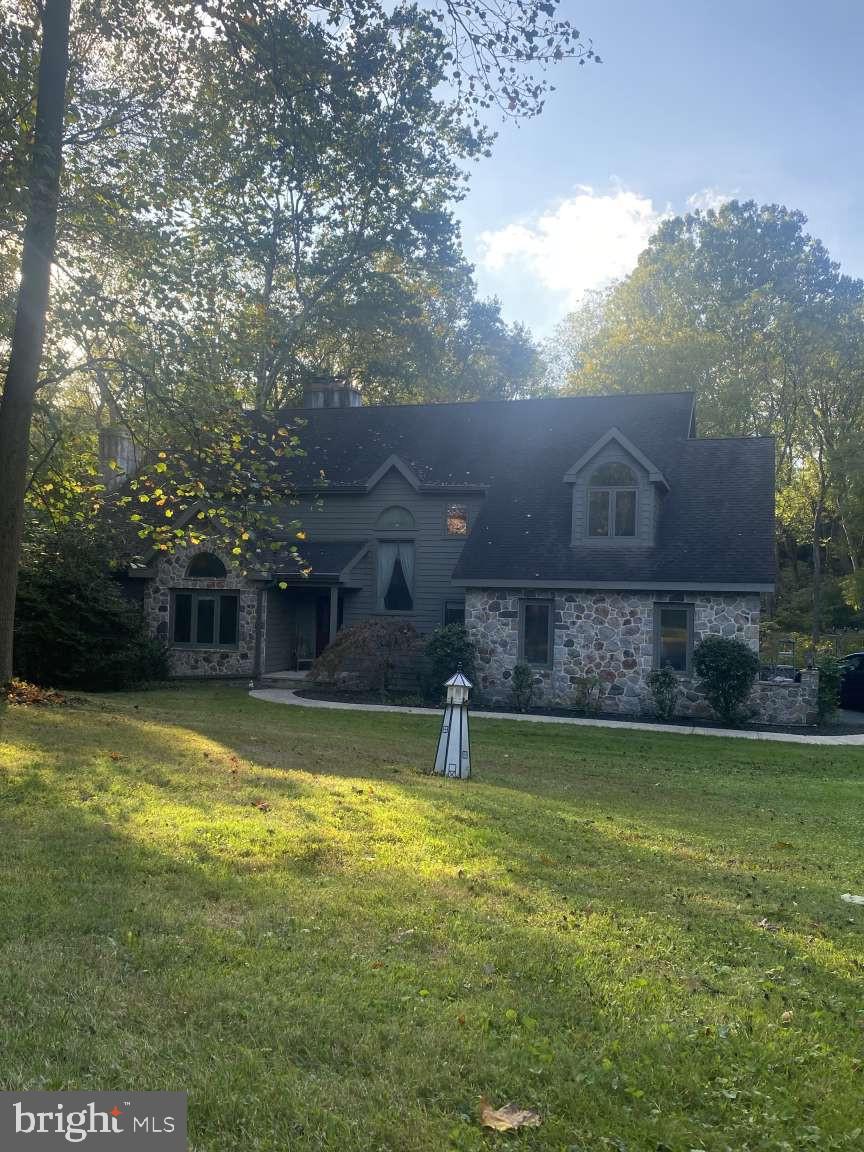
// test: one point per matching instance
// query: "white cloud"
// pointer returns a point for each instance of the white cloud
(708, 198)
(584, 242)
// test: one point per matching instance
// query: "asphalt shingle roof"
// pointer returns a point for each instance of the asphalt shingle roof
(325, 558)
(716, 523)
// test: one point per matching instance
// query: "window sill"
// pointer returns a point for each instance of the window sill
(175, 647)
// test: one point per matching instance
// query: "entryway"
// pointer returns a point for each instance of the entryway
(299, 624)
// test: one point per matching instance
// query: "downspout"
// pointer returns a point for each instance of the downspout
(259, 635)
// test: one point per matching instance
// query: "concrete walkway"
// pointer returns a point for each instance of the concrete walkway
(286, 696)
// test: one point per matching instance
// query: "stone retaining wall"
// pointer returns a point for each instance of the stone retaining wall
(605, 641)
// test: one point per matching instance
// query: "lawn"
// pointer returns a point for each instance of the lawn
(640, 936)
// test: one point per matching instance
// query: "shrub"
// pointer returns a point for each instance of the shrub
(828, 693)
(664, 688)
(446, 649)
(728, 670)
(587, 694)
(522, 687)
(74, 628)
(364, 656)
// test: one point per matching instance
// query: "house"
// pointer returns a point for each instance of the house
(589, 536)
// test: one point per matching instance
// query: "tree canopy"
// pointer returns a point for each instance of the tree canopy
(745, 308)
(244, 193)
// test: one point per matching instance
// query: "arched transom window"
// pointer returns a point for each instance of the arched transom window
(206, 566)
(395, 519)
(612, 502)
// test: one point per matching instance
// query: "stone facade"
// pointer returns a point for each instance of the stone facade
(171, 576)
(604, 644)
(787, 703)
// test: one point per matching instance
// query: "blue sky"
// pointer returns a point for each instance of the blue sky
(695, 101)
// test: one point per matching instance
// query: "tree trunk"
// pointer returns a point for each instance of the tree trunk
(816, 633)
(19, 390)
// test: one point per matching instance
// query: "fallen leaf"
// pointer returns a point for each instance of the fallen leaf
(787, 1016)
(261, 805)
(768, 926)
(508, 1118)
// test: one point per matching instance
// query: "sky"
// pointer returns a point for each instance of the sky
(695, 102)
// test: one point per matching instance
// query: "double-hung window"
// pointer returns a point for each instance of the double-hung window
(612, 502)
(535, 633)
(205, 619)
(673, 636)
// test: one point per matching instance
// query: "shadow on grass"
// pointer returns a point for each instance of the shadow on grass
(499, 940)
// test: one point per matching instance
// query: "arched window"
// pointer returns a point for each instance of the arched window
(612, 502)
(206, 566)
(395, 519)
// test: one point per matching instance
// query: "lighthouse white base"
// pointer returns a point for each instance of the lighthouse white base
(453, 757)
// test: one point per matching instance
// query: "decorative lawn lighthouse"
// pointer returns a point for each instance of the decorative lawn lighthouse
(453, 757)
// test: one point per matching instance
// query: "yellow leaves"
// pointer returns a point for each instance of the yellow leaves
(301, 535)
(163, 455)
(507, 1119)
(161, 467)
(282, 432)
(135, 518)
(283, 585)
(168, 513)
(201, 516)
(142, 499)
(236, 551)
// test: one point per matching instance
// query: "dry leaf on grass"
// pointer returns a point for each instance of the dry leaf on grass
(508, 1118)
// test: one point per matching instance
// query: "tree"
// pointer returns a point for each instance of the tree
(743, 307)
(141, 67)
(37, 252)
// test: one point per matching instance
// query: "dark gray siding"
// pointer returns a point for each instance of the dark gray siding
(344, 517)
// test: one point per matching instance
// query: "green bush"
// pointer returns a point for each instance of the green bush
(446, 649)
(587, 694)
(367, 656)
(74, 628)
(728, 670)
(828, 693)
(665, 689)
(522, 687)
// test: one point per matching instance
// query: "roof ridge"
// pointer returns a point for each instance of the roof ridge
(724, 439)
(518, 400)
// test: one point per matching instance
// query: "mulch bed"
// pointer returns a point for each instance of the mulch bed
(394, 699)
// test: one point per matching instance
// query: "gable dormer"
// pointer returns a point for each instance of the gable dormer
(616, 492)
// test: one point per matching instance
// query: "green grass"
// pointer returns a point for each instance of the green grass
(576, 929)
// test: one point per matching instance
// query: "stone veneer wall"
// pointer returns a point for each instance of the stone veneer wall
(610, 636)
(171, 575)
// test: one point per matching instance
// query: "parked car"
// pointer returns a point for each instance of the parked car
(852, 682)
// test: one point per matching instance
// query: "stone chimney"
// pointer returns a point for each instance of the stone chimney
(331, 392)
(117, 446)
